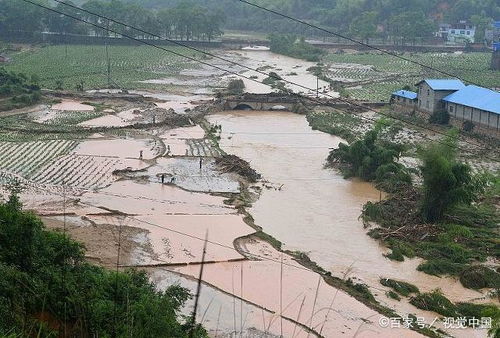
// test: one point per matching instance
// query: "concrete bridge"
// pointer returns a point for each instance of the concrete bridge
(270, 101)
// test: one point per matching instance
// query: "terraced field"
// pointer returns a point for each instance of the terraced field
(376, 76)
(201, 147)
(129, 65)
(78, 171)
(25, 158)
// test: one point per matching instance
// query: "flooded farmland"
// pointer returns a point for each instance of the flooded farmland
(159, 191)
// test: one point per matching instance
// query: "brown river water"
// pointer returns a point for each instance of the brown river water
(315, 210)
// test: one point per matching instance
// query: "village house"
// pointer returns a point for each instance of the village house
(405, 98)
(478, 105)
(3, 58)
(432, 92)
(462, 32)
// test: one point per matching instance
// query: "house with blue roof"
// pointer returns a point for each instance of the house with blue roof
(478, 105)
(405, 97)
(431, 93)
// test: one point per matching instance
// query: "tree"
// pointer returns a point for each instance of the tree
(236, 87)
(482, 23)
(372, 159)
(446, 181)
(365, 26)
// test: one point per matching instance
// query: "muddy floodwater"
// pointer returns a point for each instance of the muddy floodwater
(315, 210)
(164, 187)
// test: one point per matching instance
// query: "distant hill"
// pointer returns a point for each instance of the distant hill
(338, 13)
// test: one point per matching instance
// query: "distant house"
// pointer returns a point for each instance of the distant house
(479, 105)
(3, 58)
(492, 33)
(405, 97)
(462, 32)
(443, 31)
(432, 92)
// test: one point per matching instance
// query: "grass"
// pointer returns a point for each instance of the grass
(478, 277)
(129, 65)
(402, 288)
(336, 123)
(361, 289)
(435, 301)
(398, 73)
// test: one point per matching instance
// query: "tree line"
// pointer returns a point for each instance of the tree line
(364, 19)
(184, 21)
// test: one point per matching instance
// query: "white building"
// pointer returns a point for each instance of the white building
(462, 32)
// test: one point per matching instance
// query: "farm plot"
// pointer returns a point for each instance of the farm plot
(202, 147)
(87, 64)
(386, 74)
(79, 171)
(25, 158)
(55, 117)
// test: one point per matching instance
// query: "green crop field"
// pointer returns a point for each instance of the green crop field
(472, 67)
(73, 64)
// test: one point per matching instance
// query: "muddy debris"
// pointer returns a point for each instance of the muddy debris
(234, 164)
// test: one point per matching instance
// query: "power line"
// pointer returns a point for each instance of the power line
(236, 73)
(234, 63)
(355, 41)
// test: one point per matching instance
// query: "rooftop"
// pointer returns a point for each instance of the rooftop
(406, 94)
(476, 97)
(444, 84)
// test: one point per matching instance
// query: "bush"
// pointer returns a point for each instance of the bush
(236, 87)
(24, 91)
(296, 47)
(468, 126)
(439, 267)
(434, 301)
(403, 288)
(478, 277)
(393, 295)
(361, 289)
(440, 117)
(372, 160)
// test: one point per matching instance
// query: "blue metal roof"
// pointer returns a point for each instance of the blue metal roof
(496, 24)
(496, 46)
(476, 97)
(444, 84)
(406, 94)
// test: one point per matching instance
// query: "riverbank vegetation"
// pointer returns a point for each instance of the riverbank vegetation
(294, 46)
(17, 90)
(372, 159)
(451, 220)
(47, 289)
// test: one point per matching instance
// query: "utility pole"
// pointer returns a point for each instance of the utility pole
(317, 86)
(198, 289)
(108, 65)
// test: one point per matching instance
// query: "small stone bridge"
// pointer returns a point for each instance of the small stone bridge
(276, 101)
(270, 101)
